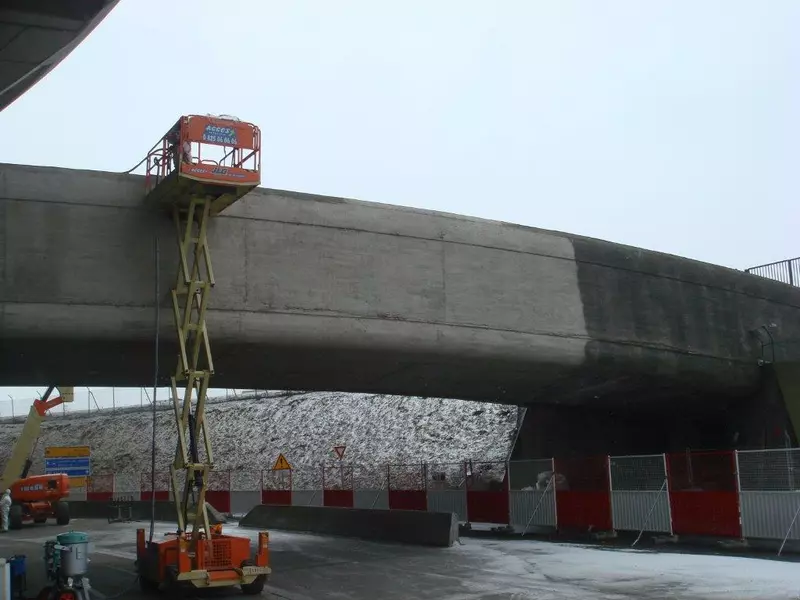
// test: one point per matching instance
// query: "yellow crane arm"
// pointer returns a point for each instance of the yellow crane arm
(21, 456)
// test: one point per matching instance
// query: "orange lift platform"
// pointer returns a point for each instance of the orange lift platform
(197, 170)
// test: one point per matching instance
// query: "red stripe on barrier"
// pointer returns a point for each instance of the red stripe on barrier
(704, 493)
(160, 496)
(219, 499)
(408, 500)
(587, 503)
(276, 497)
(486, 506)
(340, 498)
(705, 513)
(100, 496)
(584, 510)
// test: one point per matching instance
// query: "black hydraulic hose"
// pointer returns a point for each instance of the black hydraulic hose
(132, 169)
(155, 393)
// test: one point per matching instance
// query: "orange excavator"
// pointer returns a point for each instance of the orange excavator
(39, 497)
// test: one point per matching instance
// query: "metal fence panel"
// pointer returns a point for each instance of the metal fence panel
(338, 476)
(406, 477)
(243, 500)
(646, 472)
(639, 495)
(337, 484)
(246, 481)
(770, 514)
(127, 485)
(307, 478)
(533, 509)
(446, 476)
(369, 477)
(163, 488)
(636, 511)
(407, 486)
(276, 480)
(447, 491)
(487, 492)
(769, 470)
(583, 494)
(100, 487)
(276, 487)
(449, 501)
(531, 475)
(377, 499)
(703, 493)
(307, 497)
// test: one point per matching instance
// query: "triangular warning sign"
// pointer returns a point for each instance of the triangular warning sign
(340, 451)
(282, 464)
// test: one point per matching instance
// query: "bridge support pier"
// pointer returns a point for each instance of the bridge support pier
(753, 422)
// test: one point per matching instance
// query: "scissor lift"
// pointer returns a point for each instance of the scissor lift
(185, 180)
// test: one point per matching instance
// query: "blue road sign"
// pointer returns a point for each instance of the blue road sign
(74, 467)
(67, 463)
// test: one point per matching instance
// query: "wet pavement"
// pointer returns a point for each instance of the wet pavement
(308, 567)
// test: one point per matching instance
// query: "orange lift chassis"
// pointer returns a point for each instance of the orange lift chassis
(198, 169)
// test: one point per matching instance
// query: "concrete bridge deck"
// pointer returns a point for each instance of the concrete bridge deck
(316, 292)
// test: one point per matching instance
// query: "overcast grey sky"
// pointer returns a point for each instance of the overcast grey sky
(673, 125)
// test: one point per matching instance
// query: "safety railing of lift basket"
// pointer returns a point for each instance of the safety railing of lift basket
(160, 162)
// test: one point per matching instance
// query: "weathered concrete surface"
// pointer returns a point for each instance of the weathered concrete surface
(416, 527)
(325, 293)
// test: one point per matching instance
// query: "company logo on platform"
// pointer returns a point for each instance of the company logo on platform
(220, 135)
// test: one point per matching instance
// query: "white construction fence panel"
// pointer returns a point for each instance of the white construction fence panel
(769, 484)
(307, 497)
(377, 499)
(533, 494)
(243, 500)
(450, 501)
(370, 487)
(447, 489)
(639, 493)
(245, 491)
(127, 486)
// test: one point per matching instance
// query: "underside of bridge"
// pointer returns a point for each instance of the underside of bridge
(35, 35)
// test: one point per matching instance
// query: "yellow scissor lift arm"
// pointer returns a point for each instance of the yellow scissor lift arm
(193, 189)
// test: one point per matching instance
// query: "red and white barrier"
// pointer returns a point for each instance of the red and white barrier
(276, 487)
(100, 487)
(407, 487)
(704, 494)
(720, 494)
(585, 503)
(337, 485)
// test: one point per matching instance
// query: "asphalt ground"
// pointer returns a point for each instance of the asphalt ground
(310, 567)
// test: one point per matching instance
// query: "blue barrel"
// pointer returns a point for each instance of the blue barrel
(19, 582)
(18, 566)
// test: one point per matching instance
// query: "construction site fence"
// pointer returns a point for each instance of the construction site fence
(729, 494)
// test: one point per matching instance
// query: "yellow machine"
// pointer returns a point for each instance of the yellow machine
(39, 497)
(184, 179)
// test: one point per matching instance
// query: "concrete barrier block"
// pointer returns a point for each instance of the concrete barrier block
(406, 526)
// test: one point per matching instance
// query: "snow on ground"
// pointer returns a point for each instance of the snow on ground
(549, 571)
(248, 435)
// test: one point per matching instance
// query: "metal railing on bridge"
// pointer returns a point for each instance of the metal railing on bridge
(785, 271)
